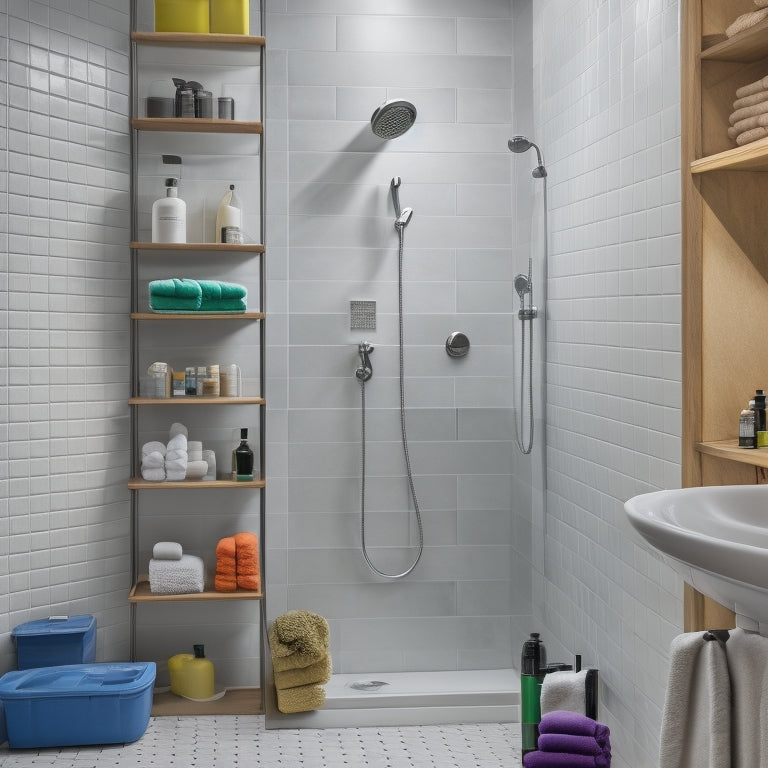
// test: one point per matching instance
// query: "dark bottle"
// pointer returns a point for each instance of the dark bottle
(242, 459)
(532, 671)
(760, 426)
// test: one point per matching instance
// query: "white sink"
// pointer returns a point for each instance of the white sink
(716, 538)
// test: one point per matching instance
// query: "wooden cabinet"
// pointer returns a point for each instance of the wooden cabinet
(177, 338)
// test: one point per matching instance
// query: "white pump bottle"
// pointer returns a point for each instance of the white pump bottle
(169, 216)
(229, 213)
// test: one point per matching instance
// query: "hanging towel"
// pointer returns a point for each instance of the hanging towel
(302, 699)
(247, 556)
(167, 550)
(314, 674)
(541, 759)
(564, 690)
(226, 565)
(747, 658)
(696, 723)
(563, 721)
(176, 577)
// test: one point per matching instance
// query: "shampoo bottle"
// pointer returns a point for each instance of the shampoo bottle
(192, 676)
(169, 216)
(760, 421)
(229, 213)
(242, 459)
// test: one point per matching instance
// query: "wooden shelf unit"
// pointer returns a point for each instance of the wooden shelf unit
(195, 125)
(236, 701)
(197, 400)
(186, 247)
(197, 316)
(210, 40)
(139, 484)
(141, 593)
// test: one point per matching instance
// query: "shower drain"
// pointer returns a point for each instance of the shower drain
(367, 685)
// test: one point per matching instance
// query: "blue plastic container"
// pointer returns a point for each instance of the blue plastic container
(77, 704)
(55, 641)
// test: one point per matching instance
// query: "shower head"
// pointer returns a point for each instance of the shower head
(520, 144)
(393, 118)
(394, 189)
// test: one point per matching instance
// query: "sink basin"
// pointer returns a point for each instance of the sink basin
(716, 538)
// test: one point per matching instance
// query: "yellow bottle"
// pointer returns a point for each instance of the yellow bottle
(182, 16)
(191, 675)
(230, 17)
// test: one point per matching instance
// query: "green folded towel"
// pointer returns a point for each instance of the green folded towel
(216, 289)
(187, 295)
(173, 304)
(182, 288)
(224, 305)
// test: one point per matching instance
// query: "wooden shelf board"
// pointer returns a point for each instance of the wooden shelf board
(225, 247)
(209, 40)
(729, 449)
(195, 125)
(750, 157)
(196, 400)
(141, 593)
(140, 484)
(197, 316)
(238, 701)
(750, 45)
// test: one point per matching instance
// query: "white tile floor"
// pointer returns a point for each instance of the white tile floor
(224, 742)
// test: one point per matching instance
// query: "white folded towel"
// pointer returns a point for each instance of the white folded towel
(177, 429)
(153, 446)
(696, 723)
(176, 577)
(196, 470)
(177, 443)
(747, 654)
(210, 458)
(564, 690)
(154, 460)
(174, 454)
(176, 475)
(167, 550)
(195, 446)
(180, 463)
(153, 475)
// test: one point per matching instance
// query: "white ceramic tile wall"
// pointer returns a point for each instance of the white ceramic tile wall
(330, 240)
(606, 107)
(64, 511)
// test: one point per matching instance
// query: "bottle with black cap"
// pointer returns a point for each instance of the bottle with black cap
(532, 670)
(169, 216)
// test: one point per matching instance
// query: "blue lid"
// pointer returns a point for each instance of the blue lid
(55, 625)
(106, 679)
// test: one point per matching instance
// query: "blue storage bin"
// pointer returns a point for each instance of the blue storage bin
(77, 704)
(55, 641)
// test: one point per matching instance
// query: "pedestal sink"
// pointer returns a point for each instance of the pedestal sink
(716, 538)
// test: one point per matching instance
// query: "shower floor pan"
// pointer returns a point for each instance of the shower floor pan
(415, 698)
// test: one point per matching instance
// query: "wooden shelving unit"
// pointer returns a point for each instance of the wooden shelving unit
(196, 400)
(198, 40)
(196, 316)
(139, 484)
(195, 125)
(141, 593)
(186, 247)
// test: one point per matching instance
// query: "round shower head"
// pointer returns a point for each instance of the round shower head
(519, 144)
(393, 118)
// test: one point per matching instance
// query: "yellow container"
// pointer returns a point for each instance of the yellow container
(230, 17)
(182, 16)
(191, 675)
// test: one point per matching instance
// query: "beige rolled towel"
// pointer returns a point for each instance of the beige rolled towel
(314, 674)
(305, 698)
(761, 3)
(745, 21)
(753, 111)
(749, 101)
(749, 136)
(752, 88)
(300, 632)
(747, 125)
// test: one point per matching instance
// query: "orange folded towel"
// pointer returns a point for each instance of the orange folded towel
(226, 565)
(248, 569)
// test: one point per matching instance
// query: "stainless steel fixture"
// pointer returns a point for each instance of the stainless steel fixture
(393, 118)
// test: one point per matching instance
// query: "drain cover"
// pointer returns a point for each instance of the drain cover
(367, 685)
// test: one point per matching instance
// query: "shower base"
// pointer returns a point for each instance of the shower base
(414, 698)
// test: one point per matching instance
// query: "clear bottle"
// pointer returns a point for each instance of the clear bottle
(169, 216)
(229, 214)
(242, 459)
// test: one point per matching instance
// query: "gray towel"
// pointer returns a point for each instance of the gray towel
(564, 690)
(696, 724)
(747, 654)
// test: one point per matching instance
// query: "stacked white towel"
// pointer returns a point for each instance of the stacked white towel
(176, 577)
(176, 457)
(564, 690)
(153, 461)
(167, 550)
(196, 465)
(749, 119)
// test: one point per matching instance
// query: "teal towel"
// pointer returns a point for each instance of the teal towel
(224, 305)
(183, 288)
(216, 289)
(187, 295)
(171, 304)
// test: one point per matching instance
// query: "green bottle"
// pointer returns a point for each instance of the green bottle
(532, 664)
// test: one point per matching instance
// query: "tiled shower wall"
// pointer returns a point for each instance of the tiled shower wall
(331, 240)
(606, 103)
(64, 513)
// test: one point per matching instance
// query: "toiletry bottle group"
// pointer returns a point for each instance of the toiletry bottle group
(753, 430)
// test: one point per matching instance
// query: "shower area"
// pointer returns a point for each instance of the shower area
(406, 482)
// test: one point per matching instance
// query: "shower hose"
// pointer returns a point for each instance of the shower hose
(400, 230)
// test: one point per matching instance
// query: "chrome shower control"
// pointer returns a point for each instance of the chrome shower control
(364, 372)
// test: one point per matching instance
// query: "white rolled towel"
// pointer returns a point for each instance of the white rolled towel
(194, 446)
(564, 690)
(177, 429)
(176, 577)
(153, 475)
(176, 475)
(174, 455)
(177, 443)
(196, 470)
(167, 550)
(210, 458)
(154, 460)
(153, 446)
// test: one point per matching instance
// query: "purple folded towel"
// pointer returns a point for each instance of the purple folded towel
(567, 742)
(575, 724)
(539, 759)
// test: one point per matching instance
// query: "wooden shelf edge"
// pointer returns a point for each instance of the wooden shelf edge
(140, 593)
(236, 701)
(197, 400)
(140, 484)
(730, 451)
(750, 157)
(195, 125)
(210, 39)
(225, 247)
(197, 316)
(749, 45)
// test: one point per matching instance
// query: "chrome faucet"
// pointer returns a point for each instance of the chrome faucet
(365, 370)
